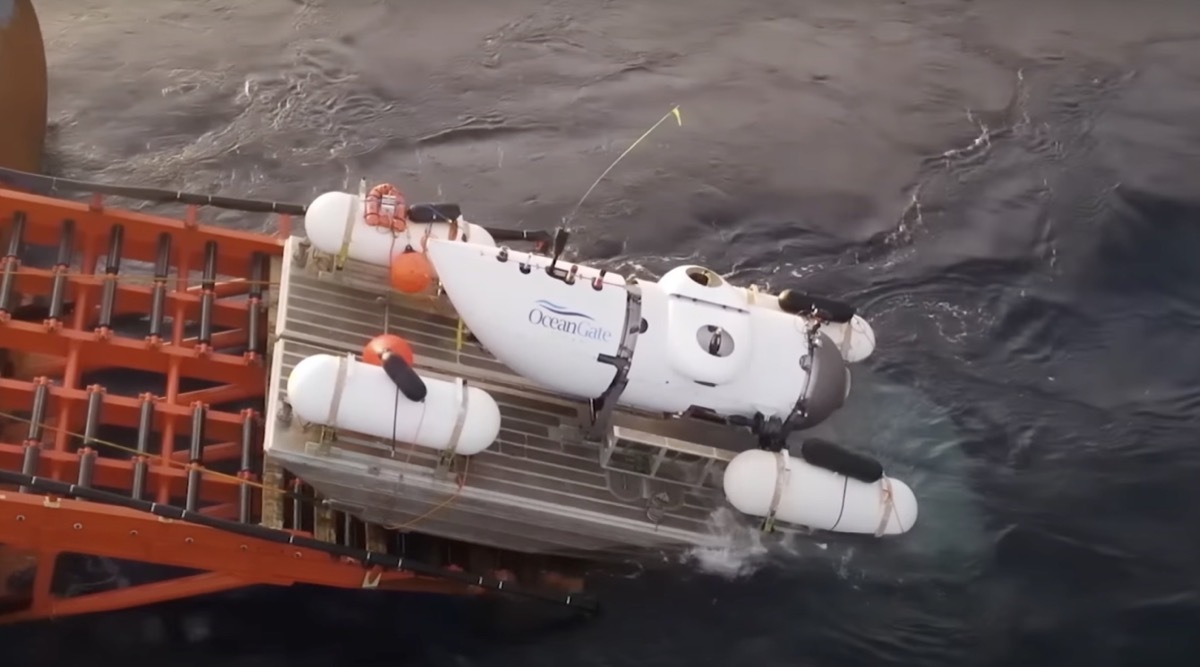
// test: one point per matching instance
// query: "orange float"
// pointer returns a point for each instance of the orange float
(411, 272)
(373, 351)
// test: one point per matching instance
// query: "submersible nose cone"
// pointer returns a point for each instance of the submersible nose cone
(23, 90)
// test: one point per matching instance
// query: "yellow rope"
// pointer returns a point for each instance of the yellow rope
(259, 485)
(462, 481)
(130, 450)
(148, 280)
(460, 339)
(135, 278)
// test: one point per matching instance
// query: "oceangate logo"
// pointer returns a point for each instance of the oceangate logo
(560, 318)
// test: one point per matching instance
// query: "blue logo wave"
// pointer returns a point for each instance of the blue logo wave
(561, 310)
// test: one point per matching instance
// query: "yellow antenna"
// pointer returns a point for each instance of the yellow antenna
(678, 119)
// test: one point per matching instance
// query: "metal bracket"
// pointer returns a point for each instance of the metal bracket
(447, 456)
(326, 436)
(371, 578)
(348, 230)
(336, 404)
(283, 412)
(323, 445)
(301, 254)
(800, 410)
(655, 512)
(782, 477)
(889, 507)
(603, 406)
(327, 433)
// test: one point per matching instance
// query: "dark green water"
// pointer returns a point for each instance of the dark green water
(1009, 190)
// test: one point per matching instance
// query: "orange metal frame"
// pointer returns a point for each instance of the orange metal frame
(51, 527)
(35, 529)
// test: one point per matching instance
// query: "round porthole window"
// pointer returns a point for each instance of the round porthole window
(715, 340)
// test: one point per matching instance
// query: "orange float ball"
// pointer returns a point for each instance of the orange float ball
(411, 272)
(373, 351)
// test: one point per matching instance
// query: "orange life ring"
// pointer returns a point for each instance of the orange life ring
(397, 219)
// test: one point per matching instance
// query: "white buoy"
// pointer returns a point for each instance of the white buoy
(814, 497)
(369, 403)
(331, 214)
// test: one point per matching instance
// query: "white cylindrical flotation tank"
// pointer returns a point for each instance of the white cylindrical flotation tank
(815, 497)
(327, 216)
(369, 403)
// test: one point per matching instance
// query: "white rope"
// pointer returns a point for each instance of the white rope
(336, 403)
(889, 507)
(783, 475)
(461, 393)
(348, 230)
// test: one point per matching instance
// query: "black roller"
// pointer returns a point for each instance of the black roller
(405, 378)
(796, 302)
(38, 310)
(422, 212)
(838, 459)
(434, 212)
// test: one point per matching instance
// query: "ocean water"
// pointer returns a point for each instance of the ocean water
(1009, 190)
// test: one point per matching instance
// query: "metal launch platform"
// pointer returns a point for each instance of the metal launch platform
(543, 488)
(145, 430)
